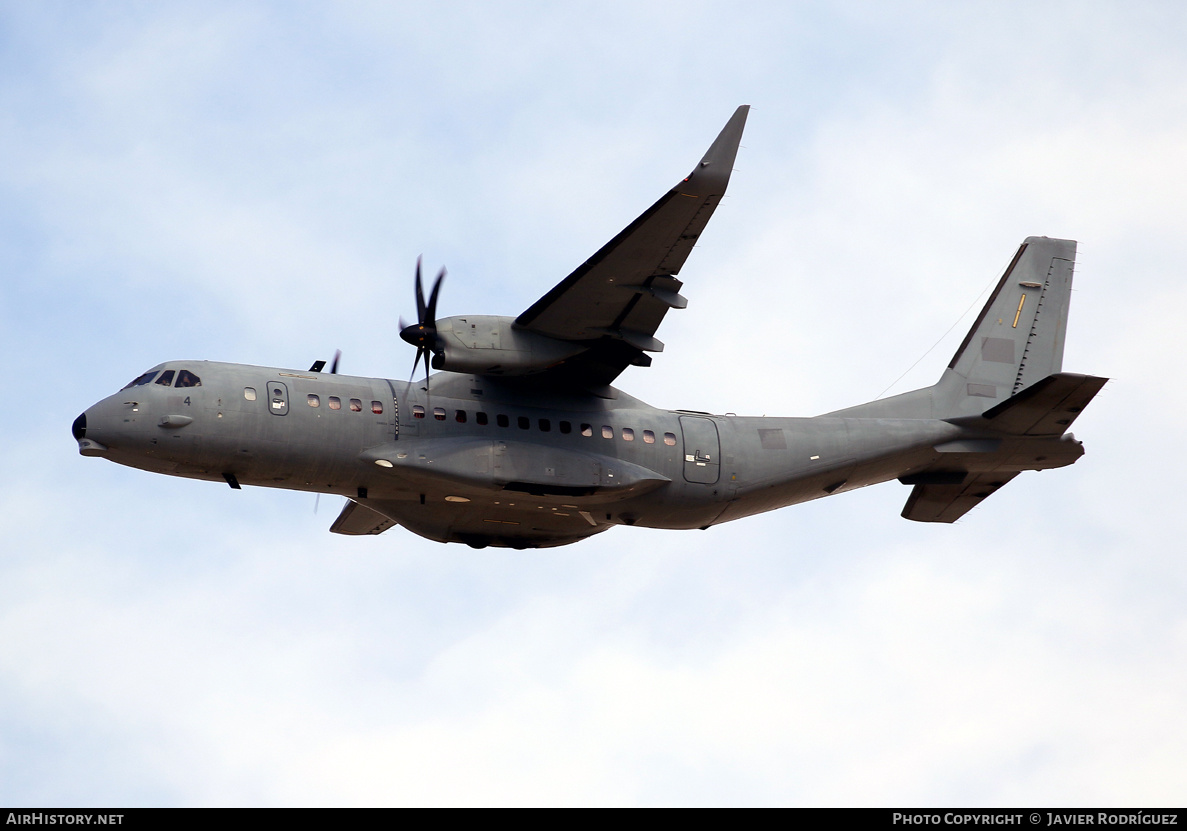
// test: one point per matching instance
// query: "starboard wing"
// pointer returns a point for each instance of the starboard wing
(616, 300)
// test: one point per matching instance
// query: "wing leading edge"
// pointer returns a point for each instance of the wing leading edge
(615, 301)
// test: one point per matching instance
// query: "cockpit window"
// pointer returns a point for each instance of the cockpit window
(142, 380)
(185, 378)
(166, 378)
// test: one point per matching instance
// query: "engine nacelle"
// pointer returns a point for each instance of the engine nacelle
(492, 345)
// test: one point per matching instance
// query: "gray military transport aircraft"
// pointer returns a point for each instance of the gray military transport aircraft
(520, 440)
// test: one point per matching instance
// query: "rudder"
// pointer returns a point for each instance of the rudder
(1018, 338)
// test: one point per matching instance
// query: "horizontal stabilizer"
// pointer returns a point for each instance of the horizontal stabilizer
(1046, 408)
(948, 503)
(358, 520)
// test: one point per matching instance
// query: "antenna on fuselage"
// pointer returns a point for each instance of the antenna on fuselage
(318, 366)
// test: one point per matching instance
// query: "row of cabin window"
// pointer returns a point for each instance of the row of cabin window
(545, 425)
(333, 402)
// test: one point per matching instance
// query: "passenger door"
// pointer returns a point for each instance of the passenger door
(702, 450)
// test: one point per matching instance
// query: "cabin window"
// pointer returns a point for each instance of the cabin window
(460, 416)
(524, 422)
(335, 402)
(377, 407)
(628, 434)
(586, 430)
(356, 406)
(545, 425)
(439, 413)
(312, 400)
(607, 431)
(249, 393)
(648, 437)
(480, 417)
(418, 411)
(566, 427)
(670, 439)
(166, 378)
(141, 381)
(502, 420)
(185, 378)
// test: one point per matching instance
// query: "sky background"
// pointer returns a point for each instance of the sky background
(253, 182)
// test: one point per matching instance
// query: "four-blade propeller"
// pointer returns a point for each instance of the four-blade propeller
(423, 333)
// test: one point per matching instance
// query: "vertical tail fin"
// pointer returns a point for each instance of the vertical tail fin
(1016, 341)
(1018, 338)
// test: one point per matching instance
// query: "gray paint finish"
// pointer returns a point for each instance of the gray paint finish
(527, 445)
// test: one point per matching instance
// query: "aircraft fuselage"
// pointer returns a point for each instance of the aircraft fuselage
(475, 459)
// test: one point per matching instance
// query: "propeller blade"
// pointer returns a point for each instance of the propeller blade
(415, 363)
(334, 364)
(420, 295)
(423, 333)
(431, 312)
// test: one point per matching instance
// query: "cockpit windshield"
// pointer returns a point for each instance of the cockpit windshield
(141, 380)
(185, 378)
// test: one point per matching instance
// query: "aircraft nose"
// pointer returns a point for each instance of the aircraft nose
(87, 447)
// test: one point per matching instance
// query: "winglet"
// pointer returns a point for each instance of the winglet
(713, 173)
